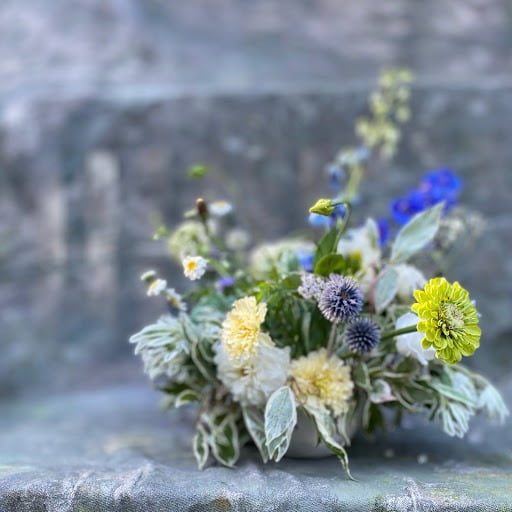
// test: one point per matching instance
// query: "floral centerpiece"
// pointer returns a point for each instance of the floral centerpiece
(342, 330)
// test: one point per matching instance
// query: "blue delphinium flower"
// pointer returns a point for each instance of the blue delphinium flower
(341, 299)
(318, 220)
(435, 187)
(224, 283)
(306, 260)
(441, 185)
(337, 175)
(362, 335)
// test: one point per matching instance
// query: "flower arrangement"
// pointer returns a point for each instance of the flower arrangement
(342, 329)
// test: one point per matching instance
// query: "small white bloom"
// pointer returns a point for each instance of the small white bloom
(252, 380)
(363, 241)
(220, 208)
(194, 267)
(410, 344)
(175, 299)
(312, 286)
(157, 287)
(409, 280)
(237, 239)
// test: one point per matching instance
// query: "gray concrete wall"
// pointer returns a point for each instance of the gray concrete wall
(104, 104)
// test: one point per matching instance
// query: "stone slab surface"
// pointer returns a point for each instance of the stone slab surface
(112, 450)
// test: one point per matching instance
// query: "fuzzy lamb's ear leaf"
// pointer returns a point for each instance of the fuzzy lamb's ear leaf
(280, 420)
(386, 289)
(416, 234)
(255, 424)
(327, 430)
(201, 447)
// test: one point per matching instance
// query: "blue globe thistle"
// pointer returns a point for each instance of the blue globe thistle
(362, 335)
(341, 299)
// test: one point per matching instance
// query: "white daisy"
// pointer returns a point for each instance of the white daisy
(409, 344)
(252, 380)
(194, 267)
(220, 208)
(157, 287)
(175, 299)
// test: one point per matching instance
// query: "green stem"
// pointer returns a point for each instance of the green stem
(332, 339)
(398, 332)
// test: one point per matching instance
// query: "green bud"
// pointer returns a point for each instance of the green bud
(323, 207)
(197, 171)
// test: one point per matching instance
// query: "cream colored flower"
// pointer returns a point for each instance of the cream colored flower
(253, 379)
(321, 381)
(241, 330)
(194, 267)
(409, 344)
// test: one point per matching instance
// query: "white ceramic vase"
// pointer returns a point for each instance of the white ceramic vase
(304, 443)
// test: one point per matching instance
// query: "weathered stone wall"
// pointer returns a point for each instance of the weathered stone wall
(104, 104)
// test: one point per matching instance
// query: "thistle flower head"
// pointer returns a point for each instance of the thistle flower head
(341, 299)
(448, 319)
(362, 335)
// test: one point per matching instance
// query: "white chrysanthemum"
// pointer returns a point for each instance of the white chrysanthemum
(409, 280)
(194, 267)
(237, 239)
(220, 208)
(363, 242)
(410, 344)
(252, 380)
(312, 286)
(175, 299)
(156, 287)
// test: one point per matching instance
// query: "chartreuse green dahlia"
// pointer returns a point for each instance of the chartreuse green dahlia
(448, 319)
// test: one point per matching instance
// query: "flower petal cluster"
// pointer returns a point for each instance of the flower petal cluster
(409, 344)
(448, 319)
(341, 299)
(311, 287)
(241, 330)
(251, 380)
(322, 381)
